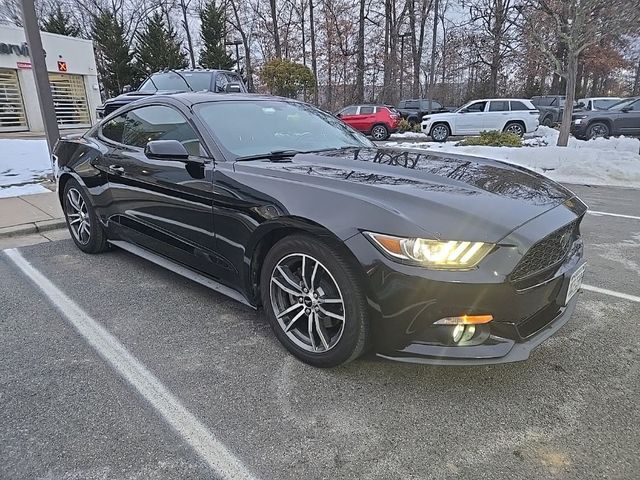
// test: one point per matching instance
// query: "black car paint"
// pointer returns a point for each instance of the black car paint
(219, 217)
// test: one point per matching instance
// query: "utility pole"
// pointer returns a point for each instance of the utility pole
(432, 72)
(39, 66)
(402, 37)
(185, 24)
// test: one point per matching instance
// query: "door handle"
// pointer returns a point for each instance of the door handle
(116, 169)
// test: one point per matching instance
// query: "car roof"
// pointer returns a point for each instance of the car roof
(192, 70)
(193, 98)
(602, 98)
(500, 100)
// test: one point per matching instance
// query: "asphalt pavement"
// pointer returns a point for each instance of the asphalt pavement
(71, 406)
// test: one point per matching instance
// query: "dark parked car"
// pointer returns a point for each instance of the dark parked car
(379, 121)
(623, 118)
(172, 81)
(414, 110)
(421, 257)
(551, 108)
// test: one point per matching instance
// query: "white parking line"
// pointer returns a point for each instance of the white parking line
(224, 463)
(619, 215)
(613, 293)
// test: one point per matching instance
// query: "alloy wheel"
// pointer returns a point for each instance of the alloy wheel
(307, 303)
(78, 216)
(515, 128)
(439, 133)
(599, 130)
(379, 132)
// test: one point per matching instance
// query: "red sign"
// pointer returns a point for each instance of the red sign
(62, 66)
(24, 65)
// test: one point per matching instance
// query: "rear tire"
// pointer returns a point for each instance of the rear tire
(379, 132)
(321, 315)
(440, 132)
(547, 122)
(598, 130)
(514, 127)
(83, 224)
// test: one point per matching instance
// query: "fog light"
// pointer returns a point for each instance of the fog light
(469, 332)
(465, 320)
(458, 331)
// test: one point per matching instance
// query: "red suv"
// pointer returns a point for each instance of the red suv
(379, 121)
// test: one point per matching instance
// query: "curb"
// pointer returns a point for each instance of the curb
(33, 227)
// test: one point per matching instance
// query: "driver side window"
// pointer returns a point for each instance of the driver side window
(154, 122)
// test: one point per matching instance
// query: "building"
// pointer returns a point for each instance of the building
(72, 75)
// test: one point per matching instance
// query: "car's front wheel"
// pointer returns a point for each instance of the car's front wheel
(82, 221)
(440, 132)
(379, 132)
(598, 130)
(314, 301)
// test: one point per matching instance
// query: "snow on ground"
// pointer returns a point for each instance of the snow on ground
(19, 190)
(612, 161)
(22, 162)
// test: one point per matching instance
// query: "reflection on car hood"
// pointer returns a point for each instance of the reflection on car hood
(432, 190)
(131, 96)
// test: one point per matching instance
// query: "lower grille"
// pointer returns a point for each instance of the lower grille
(547, 252)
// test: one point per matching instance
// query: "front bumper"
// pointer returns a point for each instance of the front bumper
(579, 130)
(406, 301)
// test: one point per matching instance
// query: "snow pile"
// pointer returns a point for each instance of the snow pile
(23, 161)
(28, 189)
(408, 135)
(603, 161)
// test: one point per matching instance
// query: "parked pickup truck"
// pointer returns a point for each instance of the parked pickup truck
(551, 108)
(414, 110)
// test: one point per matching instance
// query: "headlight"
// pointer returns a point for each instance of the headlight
(578, 120)
(426, 119)
(436, 254)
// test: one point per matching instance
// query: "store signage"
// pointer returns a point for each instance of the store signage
(23, 65)
(12, 49)
(62, 66)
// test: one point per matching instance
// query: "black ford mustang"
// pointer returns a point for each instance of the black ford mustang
(421, 257)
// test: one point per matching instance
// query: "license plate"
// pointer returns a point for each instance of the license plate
(575, 282)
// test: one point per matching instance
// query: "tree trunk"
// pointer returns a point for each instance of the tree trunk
(276, 34)
(359, 90)
(570, 92)
(314, 59)
(636, 84)
(432, 67)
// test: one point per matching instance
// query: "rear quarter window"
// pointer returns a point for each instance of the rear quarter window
(518, 106)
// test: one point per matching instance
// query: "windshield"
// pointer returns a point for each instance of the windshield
(604, 104)
(248, 128)
(622, 104)
(196, 81)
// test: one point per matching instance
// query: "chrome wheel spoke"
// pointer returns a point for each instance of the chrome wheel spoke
(290, 291)
(289, 280)
(310, 331)
(313, 275)
(331, 314)
(290, 309)
(330, 300)
(321, 333)
(294, 320)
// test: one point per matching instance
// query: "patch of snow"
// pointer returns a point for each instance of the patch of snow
(405, 135)
(19, 190)
(23, 161)
(603, 161)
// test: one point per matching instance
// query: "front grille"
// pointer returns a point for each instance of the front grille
(547, 252)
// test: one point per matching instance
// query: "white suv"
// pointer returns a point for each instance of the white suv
(514, 115)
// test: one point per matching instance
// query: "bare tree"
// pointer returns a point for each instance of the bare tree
(274, 22)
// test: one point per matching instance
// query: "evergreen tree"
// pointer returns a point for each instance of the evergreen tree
(158, 47)
(213, 53)
(112, 54)
(59, 22)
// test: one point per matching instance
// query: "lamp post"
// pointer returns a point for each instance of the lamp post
(237, 43)
(402, 37)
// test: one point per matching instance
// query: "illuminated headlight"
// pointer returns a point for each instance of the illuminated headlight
(436, 254)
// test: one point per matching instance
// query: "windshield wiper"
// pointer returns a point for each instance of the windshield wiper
(274, 155)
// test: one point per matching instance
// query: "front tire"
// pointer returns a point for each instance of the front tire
(598, 130)
(314, 301)
(379, 133)
(82, 221)
(440, 132)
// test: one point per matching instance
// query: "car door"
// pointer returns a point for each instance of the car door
(163, 205)
(471, 120)
(497, 115)
(628, 121)
(348, 115)
(365, 119)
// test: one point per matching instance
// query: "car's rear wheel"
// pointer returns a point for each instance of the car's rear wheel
(514, 127)
(547, 122)
(598, 130)
(83, 224)
(314, 301)
(440, 132)
(379, 132)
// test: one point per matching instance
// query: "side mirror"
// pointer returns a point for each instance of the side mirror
(625, 109)
(126, 89)
(233, 88)
(339, 115)
(166, 150)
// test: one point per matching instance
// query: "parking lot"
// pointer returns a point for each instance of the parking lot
(112, 367)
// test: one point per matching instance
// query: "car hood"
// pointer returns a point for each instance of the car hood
(447, 196)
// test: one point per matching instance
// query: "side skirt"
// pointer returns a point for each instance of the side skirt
(183, 271)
